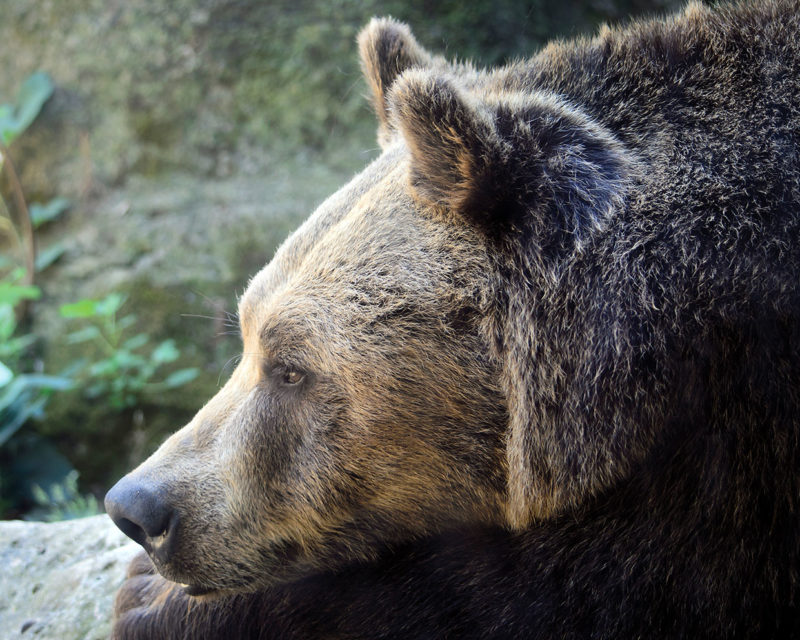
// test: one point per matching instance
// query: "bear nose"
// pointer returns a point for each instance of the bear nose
(141, 512)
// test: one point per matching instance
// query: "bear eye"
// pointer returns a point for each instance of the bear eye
(292, 377)
(283, 375)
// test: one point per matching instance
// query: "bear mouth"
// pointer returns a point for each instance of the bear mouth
(197, 590)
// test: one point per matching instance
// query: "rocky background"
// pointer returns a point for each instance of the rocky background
(189, 137)
(58, 580)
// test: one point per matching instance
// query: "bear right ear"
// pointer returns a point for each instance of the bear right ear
(387, 49)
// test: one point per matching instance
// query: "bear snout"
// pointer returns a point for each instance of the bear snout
(143, 512)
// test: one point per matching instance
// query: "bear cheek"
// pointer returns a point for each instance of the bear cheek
(268, 466)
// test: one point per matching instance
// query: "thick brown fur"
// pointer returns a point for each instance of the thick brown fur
(534, 373)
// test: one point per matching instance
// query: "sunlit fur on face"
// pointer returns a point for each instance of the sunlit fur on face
(366, 408)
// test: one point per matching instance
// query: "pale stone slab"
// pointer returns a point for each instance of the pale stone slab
(57, 581)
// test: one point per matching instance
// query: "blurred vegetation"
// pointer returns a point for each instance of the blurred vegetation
(123, 375)
(159, 161)
(118, 379)
(294, 63)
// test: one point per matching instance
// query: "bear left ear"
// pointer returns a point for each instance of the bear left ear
(387, 48)
(509, 160)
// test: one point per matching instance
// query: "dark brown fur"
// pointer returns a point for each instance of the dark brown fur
(534, 373)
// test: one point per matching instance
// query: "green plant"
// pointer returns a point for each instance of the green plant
(26, 458)
(63, 501)
(127, 366)
(15, 118)
(22, 395)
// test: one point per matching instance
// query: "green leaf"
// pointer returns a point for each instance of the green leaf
(8, 125)
(16, 275)
(89, 308)
(165, 352)
(47, 212)
(84, 335)
(11, 294)
(40, 495)
(109, 305)
(8, 323)
(180, 377)
(103, 368)
(26, 382)
(127, 322)
(35, 91)
(82, 309)
(29, 410)
(20, 400)
(42, 381)
(58, 493)
(136, 341)
(48, 256)
(12, 392)
(128, 360)
(15, 345)
(6, 375)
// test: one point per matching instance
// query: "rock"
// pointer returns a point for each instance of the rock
(58, 580)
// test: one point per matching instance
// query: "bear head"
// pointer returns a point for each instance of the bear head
(392, 383)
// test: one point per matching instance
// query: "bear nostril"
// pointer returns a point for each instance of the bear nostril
(132, 530)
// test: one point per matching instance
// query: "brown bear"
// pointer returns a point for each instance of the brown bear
(534, 373)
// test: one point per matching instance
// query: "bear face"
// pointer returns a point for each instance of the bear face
(366, 408)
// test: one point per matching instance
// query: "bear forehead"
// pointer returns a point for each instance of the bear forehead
(367, 247)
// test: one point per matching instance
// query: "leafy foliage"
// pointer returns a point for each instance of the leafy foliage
(22, 395)
(17, 117)
(63, 501)
(128, 365)
(124, 372)
(22, 221)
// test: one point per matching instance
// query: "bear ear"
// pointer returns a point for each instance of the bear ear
(457, 154)
(509, 160)
(387, 48)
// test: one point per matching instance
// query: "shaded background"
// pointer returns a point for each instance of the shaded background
(189, 138)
